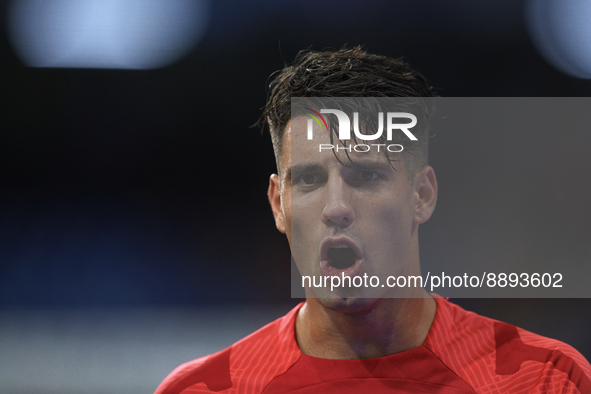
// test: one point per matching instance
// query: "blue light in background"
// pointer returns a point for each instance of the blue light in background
(123, 34)
(561, 30)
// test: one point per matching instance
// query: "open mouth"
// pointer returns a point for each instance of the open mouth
(341, 256)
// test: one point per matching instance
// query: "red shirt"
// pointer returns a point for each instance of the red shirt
(463, 353)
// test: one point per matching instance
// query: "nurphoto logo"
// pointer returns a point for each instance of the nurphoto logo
(344, 133)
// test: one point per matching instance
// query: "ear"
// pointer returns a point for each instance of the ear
(425, 193)
(275, 201)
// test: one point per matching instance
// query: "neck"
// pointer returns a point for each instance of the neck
(388, 326)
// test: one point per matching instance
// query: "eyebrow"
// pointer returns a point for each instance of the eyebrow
(302, 168)
(368, 165)
(358, 165)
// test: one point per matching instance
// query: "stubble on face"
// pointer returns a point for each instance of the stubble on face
(379, 212)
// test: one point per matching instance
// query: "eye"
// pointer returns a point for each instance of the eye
(364, 178)
(308, 179)
(368, 176)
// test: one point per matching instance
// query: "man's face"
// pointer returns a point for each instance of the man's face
(353, 219)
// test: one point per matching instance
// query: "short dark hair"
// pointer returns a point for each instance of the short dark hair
(342, 73)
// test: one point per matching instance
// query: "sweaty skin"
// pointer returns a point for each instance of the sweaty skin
(378, 209)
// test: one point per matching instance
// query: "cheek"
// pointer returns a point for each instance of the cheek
(304, 212)
(300, 223)
(305, 232)
(392, 223)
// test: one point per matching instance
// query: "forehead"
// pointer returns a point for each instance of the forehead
(304, 146)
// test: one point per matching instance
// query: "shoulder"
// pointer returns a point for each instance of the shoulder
(244, 367)
(489, 353)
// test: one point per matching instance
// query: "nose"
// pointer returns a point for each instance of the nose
(338, 210)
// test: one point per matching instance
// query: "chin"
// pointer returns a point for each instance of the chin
(349, 305)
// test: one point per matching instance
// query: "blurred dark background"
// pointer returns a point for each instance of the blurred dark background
(123, 188)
